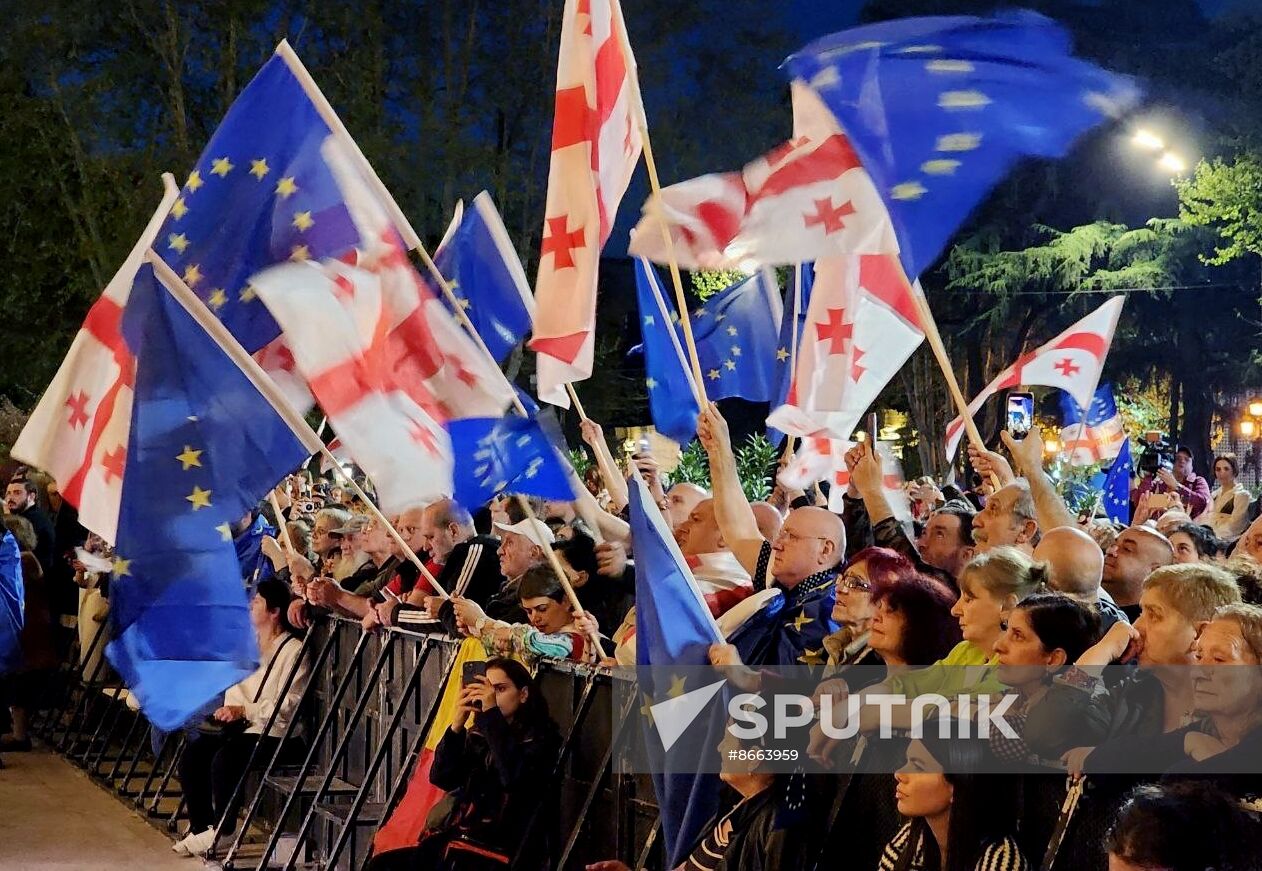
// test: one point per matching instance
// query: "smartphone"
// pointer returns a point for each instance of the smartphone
(472, 671)
(1020, 414)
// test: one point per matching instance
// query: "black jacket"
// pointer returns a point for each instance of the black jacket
(764, 837)
(45, 535)
(497, 773)
(860, 533)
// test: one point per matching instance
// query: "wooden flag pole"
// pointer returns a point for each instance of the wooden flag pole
(578, 406)
(265, 386)
(793, 348)
(280, 522)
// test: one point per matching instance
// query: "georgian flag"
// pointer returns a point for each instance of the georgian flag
(79, 431)
(595, 147)
(806, 199)
(381, 354)
(1073, 362)
(824, 459)
(861, 326)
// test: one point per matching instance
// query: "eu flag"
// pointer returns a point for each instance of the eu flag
(493, 455)
(939, 109)
(1117, 487)
(204, 448)
(737, 333)
(798, 301)
(673, 630)
(487, 277)
(1103, 408)
(259, 195)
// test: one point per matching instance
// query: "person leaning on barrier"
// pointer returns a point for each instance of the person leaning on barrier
(215, 759)
(554, 629)
(1183, 827)
(496, 769)
(958, 818)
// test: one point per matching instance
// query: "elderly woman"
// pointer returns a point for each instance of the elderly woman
(1228, 509)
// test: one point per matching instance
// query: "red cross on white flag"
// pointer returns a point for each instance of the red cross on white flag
(824, 459)
(804, 200)
(1073, 362)
(595, 146)
(79, 431)
(861, 326)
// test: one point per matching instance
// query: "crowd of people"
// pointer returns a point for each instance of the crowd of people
(998, 589)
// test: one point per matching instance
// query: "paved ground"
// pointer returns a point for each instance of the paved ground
(53, 817)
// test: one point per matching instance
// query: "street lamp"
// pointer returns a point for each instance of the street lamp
(1251, 428)
(1168, 160)
(1148, 140)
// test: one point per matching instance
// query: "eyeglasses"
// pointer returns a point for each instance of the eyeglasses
(853, 584)
(788, 535)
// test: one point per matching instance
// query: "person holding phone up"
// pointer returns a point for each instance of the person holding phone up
(495, 761)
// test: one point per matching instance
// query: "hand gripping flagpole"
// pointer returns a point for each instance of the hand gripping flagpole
(265, 386)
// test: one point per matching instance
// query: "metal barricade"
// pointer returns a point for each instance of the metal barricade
(370, 700)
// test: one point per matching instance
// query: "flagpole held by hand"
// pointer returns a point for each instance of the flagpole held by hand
(265, 386)
(280, 521)
(560, 573)
(578, 406)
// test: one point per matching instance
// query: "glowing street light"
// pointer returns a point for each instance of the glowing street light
(1148, 140)
(1254, 408)
(1172, 163)
(1247, 428)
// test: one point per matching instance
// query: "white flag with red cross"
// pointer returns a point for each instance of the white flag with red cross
(807, 199)
(861, 326)
(1073, 362)
(381, 354)
(824, 459)
(595, 146)
(78, 432)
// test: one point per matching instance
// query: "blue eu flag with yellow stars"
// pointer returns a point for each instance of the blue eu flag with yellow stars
(1117, 486)
(259, 195)
(939, 109)
(487, 278)
(737, 333)
(797, 301)
(513, 454)
(205, 448)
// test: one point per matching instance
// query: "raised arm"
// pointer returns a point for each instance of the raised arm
(594, 436)
(1049, 508)
(732, 512)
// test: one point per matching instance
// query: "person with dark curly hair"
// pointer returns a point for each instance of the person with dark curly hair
(1188, 826)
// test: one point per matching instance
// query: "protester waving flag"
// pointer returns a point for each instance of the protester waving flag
(1073, 362)
(1095, 434)
(595, 147)
(205, 447)
(736, 333)
(505, 454)
(939, 109)
(486, 276)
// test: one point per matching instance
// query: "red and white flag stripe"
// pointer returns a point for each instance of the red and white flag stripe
(79, 431)
(1073, 362)
(596, 144)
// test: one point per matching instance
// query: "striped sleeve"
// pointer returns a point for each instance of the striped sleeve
(1002, 855)
(894, 849)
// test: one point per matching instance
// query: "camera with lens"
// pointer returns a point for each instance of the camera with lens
(1158, 454)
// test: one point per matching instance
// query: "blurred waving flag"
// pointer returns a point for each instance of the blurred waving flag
(1117, 486)
(939, 109)
(386, 360)
(674, 629)
(79, 431)
(595, 147)
(1094, 435)
(861, 326)
(506, 454)
(824, 459)
(1073, 362)
(204, 448)
(805, 199)
(736, 332)
(792, 328)
(479, 261)
(12, 604)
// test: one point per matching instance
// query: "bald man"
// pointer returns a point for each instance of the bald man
(1076, 564)
(802, 563)
(768, 518)
(680, 500)
(719, 574)
(1138, 551)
